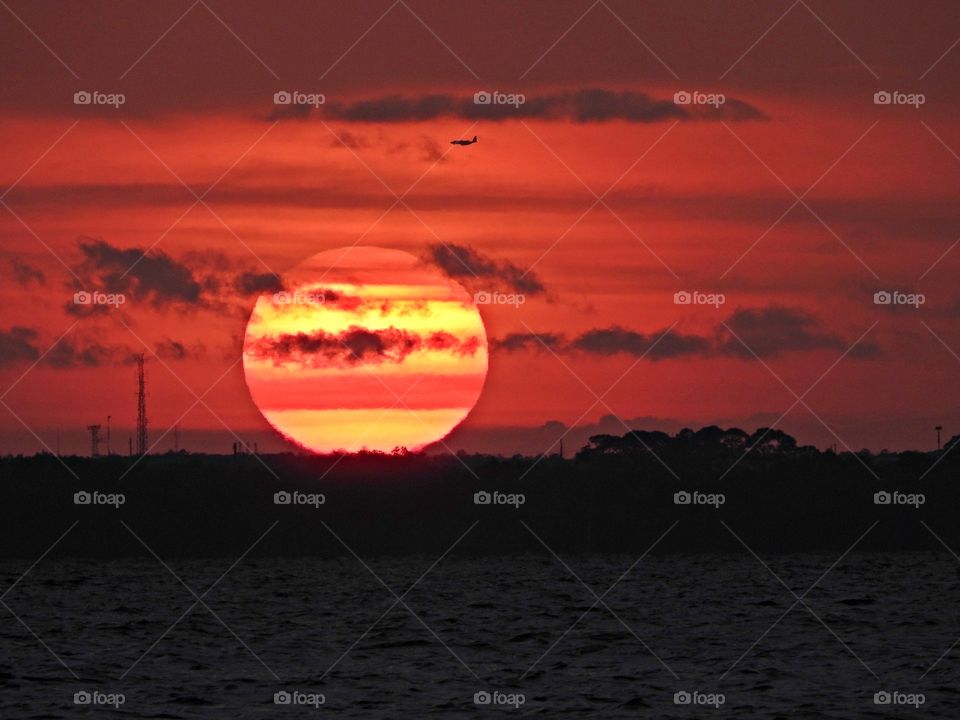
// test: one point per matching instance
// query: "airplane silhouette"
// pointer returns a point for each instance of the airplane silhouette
(464, 142)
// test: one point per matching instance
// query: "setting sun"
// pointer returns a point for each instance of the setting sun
(365, 348)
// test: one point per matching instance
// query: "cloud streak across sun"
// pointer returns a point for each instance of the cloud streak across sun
(365, 348)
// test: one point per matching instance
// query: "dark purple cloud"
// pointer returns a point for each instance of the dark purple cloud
(591, 104)
(465, 263)
(87, 353)
(17, 345)
(26, 275)
(354, 346)
(252, 283)
(773, 330)
(151, 277)
(766, 332)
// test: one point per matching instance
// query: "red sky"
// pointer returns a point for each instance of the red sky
(698, 200)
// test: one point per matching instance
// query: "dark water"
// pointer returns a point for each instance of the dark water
(483, 625)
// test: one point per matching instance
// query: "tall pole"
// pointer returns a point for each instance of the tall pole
(141, 408)
(939, 428)
(108, 435)
(94, 440)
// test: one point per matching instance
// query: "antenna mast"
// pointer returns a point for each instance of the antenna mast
(141, 408)
(94, 440)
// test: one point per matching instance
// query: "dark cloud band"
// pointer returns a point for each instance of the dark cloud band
(764, 332)
(593, 104)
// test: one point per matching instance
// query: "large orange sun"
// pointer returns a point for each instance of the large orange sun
(365, 348)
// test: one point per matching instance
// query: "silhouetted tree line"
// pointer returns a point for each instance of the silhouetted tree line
(615, 496)
(707, 442)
